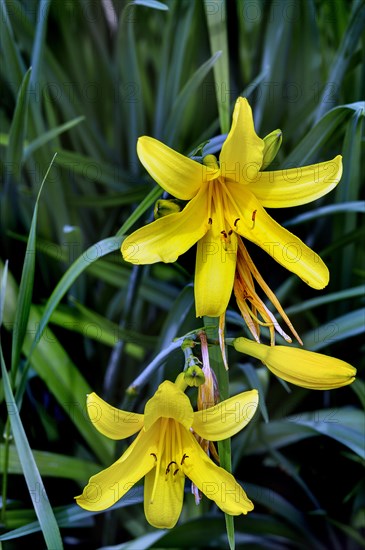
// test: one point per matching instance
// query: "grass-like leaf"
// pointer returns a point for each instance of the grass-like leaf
(52, 465)
(49, 136)
(224, 447)
(54, 366)
(184, 96)
(217, 28)
(13, 63)
(345, 425)
(92, 254)
(25, 289)
(343, 57)
(337, 330)
(14, 154)
(32, 476)
(74, 516)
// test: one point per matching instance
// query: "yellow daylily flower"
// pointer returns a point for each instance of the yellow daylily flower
(165, 451)
(227, 199)
(307, 369)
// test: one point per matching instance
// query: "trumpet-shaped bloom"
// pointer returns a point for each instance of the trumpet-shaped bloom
(307, 369)
(227, 199)
(165, 451)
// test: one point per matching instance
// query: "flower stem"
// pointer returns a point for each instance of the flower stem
(224, 447)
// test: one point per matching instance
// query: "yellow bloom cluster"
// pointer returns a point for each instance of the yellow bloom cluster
(225, 201)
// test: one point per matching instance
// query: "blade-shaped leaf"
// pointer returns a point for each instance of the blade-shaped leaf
(32, 476)
(48, 136)
(217, 27)
(18, 128)
(25, 288)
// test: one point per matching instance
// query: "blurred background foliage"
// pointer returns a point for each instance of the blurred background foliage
(82, 79)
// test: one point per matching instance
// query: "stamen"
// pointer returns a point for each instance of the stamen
(183, 459)
(178, 440)
(253, 218)
(246, 295)
(218, 198)
(175, 472)
(252, 271)
(210, 201)
(227, 196)
(168, 466)
(164, 423)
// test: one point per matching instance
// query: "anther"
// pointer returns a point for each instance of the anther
(175, 472)
(230, 232)
(154, 456)
(253, 218)
(183, 458)
(168, 466)
(224, 234)
(210, 221)
(236, 221)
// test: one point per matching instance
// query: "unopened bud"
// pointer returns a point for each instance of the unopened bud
(272, 144)
(194, 376)
(304, 368)
(164, 207)
(211, 162)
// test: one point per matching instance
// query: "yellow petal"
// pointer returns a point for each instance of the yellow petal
(178, 175)
(226, 418)
(242, 151)
(256, 225)
(165, 509)
(296, 186)
(214, 272)
(107, 487)
(303, 368)
(112, 422)
(166, 238)
(168, 402)
(215, 482)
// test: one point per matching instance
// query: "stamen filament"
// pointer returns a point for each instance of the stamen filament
(229, 195)
(267, 290)
(218, 198)
(210, 201)
(161, 444)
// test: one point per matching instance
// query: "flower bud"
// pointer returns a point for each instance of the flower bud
(272, 144)
(194, 376)
(307, 369)
(164, 207)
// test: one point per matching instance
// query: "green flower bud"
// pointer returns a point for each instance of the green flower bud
(164, 207)
(272, 145)
(211, 162)
(194, 376)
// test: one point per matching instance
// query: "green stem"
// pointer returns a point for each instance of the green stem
(149, 370)
(224, 447)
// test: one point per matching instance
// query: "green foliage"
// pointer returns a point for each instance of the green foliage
(81, 81)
